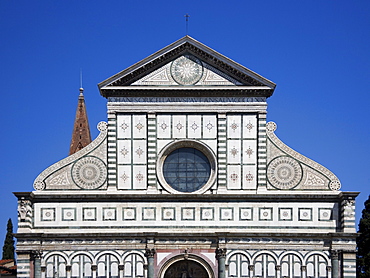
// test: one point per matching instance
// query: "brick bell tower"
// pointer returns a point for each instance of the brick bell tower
(81, 135)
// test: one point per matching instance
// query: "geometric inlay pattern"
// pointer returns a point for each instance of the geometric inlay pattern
(89, 172)
(284, 172)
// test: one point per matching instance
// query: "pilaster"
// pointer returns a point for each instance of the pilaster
(112, 151)
(152, 152)
(222, 151)
(262, 152)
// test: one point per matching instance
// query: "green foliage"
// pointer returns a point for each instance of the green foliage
(363, 243)
(8, 248)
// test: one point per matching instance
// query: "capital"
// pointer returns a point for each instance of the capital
(149, 253)
(334, 254)
(221, 253)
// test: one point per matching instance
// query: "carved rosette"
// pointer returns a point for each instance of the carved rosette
(284, 172)
(39, 185)
(186, 70)
(89, 172)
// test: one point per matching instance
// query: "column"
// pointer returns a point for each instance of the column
(43, 271)
(37, 259)
(221, 257)
(68, 270)
(303, 271)
(121, 270)
(93, 270)
(278, 270)
(251, 271)
(335, 263)
(149, 253)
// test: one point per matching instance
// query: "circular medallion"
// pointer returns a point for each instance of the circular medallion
(284, 172)
(335, 185)
(102, 126)
(89, 172)
(186, 70)
(39, 185)
(271, 126)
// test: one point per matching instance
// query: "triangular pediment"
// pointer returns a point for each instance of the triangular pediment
(183, 64)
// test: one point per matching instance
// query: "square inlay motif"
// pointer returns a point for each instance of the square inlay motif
(325, 214)
(226, 214)
(68, 214)
(206, 213)
(109, 214)
(246, 213)
(129, 213)
(48, 214)
(168, 214)
(305, 214)
(89, 214)
(285, 214)
(265, 214)
(149, 213)
(188, 213)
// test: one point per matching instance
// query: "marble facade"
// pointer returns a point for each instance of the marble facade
(112, 209)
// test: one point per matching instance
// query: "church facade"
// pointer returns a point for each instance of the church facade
(186, 180)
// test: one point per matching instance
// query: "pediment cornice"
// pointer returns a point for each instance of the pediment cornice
(115, 85)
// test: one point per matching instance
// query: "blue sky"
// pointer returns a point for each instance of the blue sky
(317, 52)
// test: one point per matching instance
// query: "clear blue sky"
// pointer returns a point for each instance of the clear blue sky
(317, 52)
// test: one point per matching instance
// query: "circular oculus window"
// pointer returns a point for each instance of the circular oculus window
(186, 166)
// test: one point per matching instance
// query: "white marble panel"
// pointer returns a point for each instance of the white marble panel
(234, 126)
(164, 126)
(124, 151)
(139, 150)
(179, 126)
(249, 151)
(124, 177)
(233, 177)
(212, 144)
(209, 126)
(250, 126)
(161, 144)
(124, 126)
(249, 177)
(234, 151)
(139, 126)
(194, 126)
(139, 176)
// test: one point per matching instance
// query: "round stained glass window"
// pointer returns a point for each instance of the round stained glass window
(186, 169)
